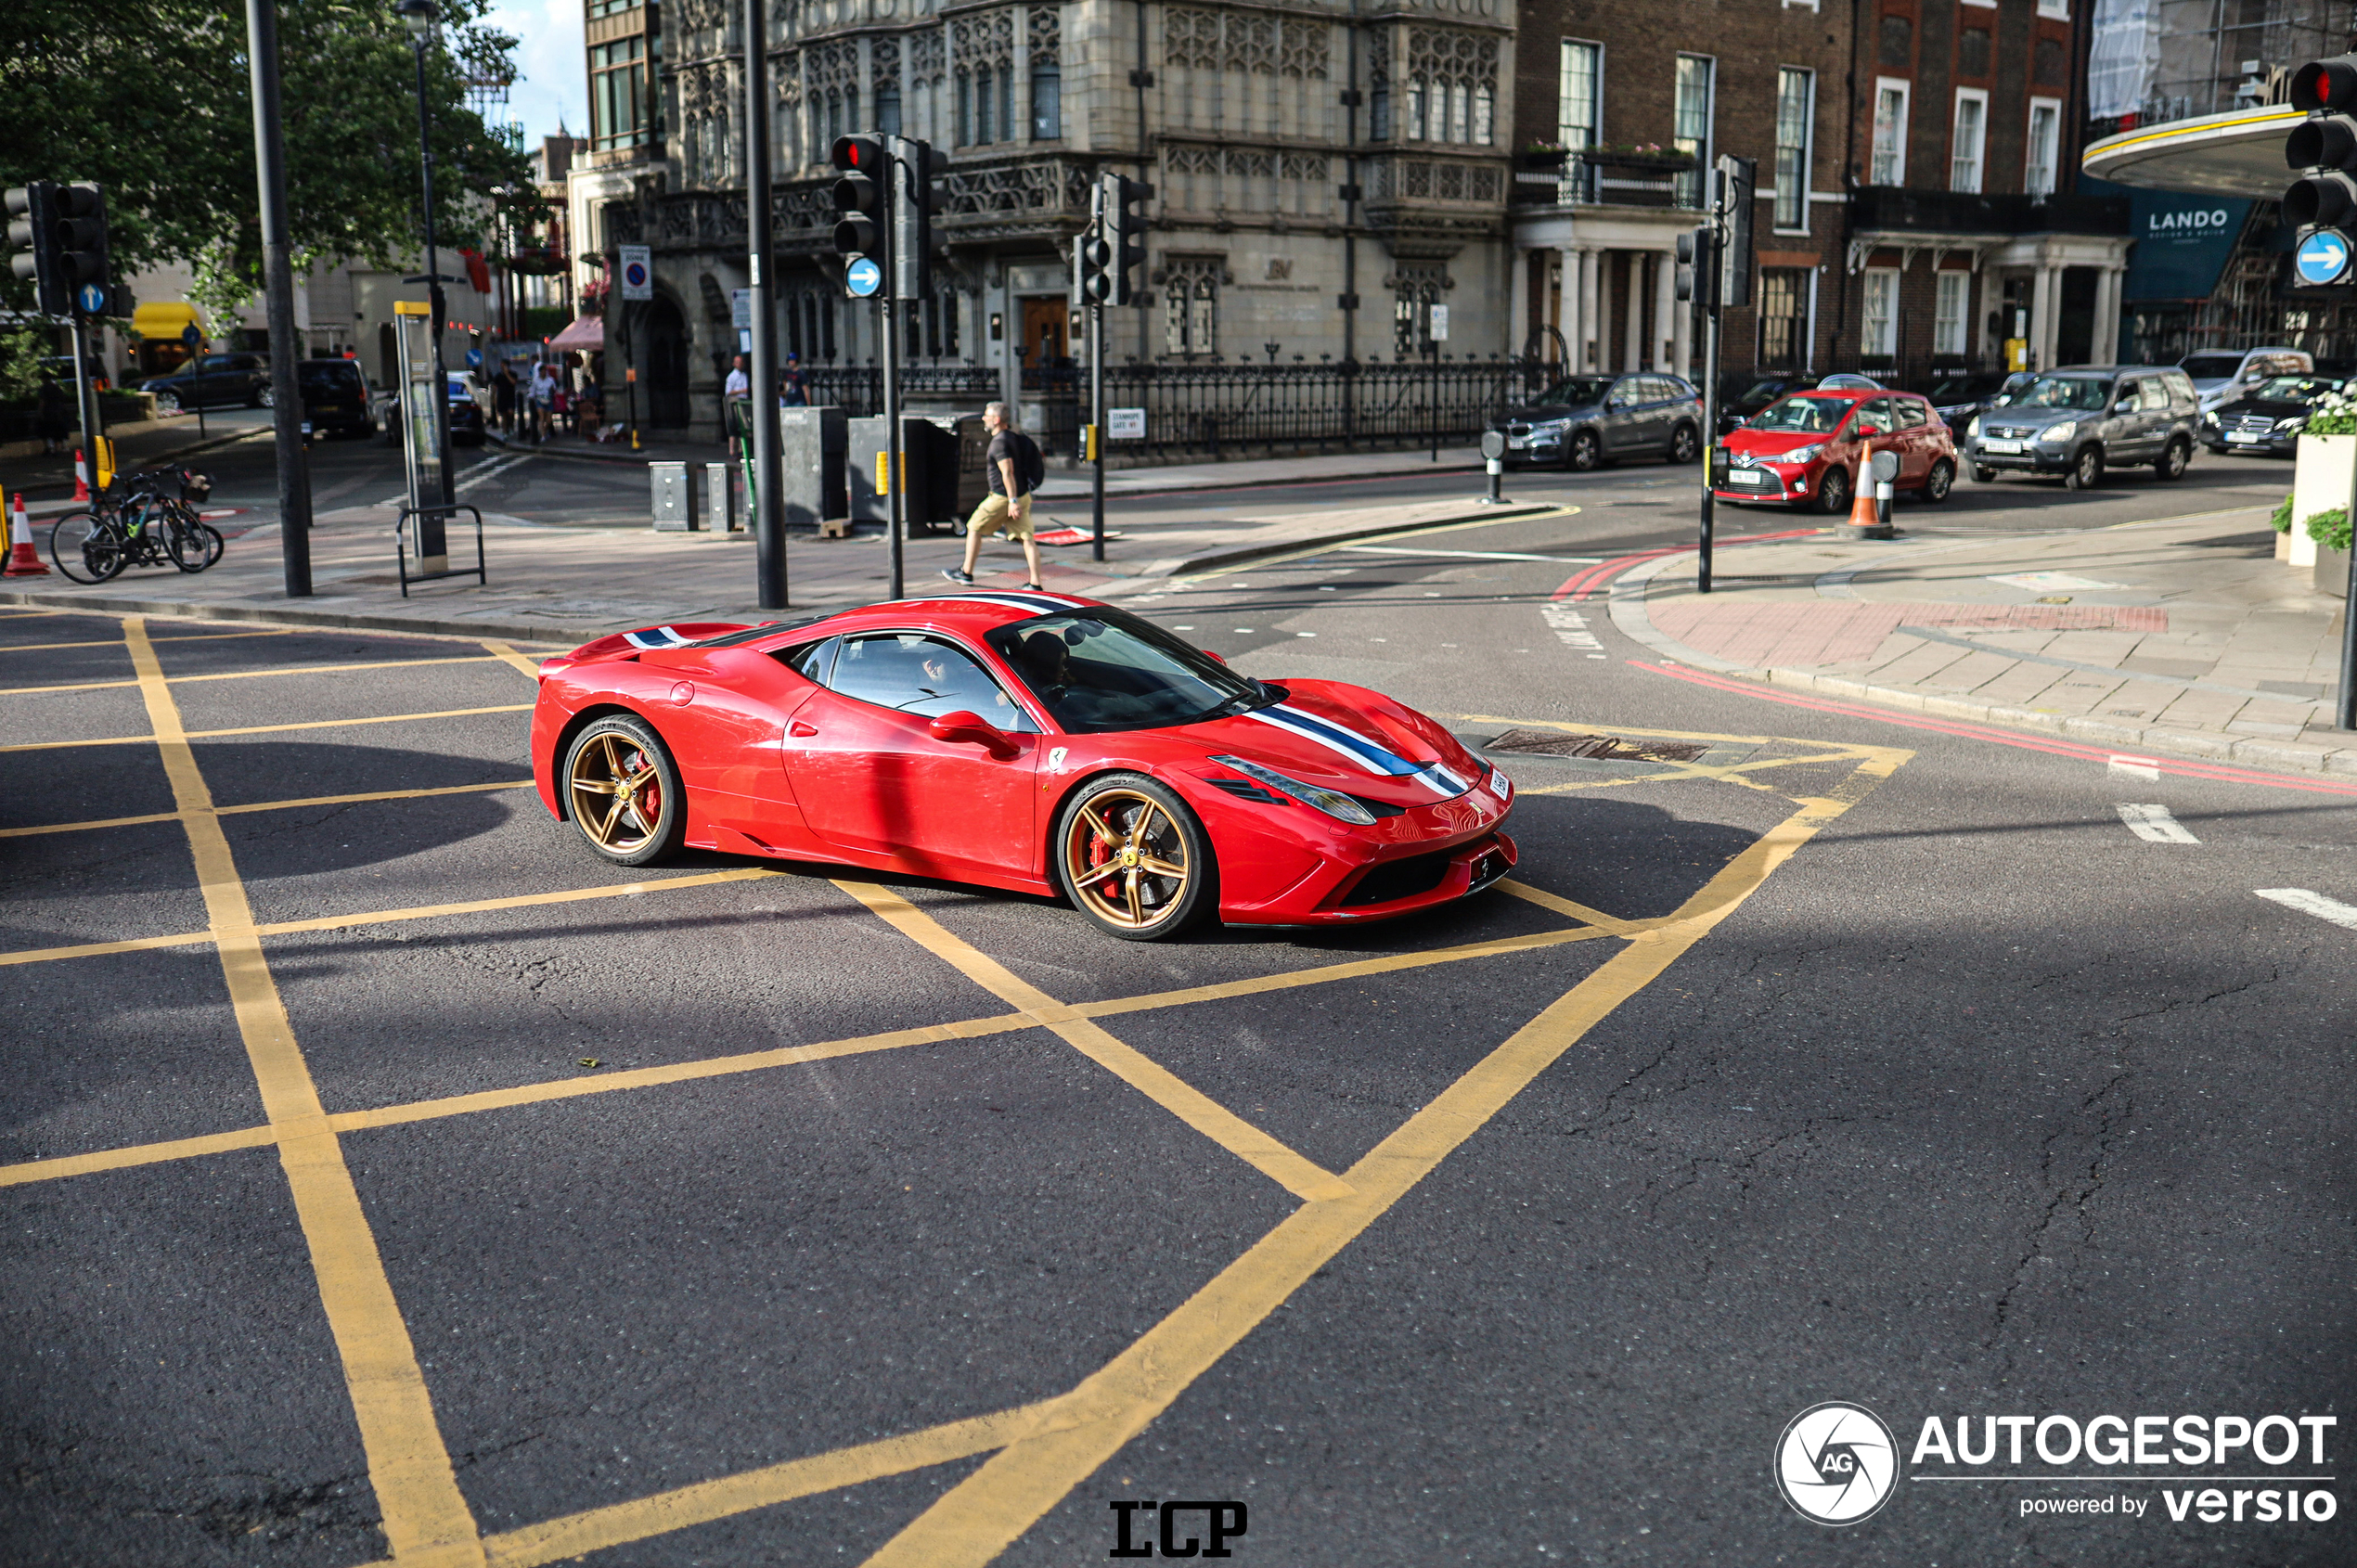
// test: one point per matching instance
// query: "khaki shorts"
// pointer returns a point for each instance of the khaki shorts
(993, 515)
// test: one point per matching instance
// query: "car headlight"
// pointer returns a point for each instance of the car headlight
(1334, 803)
(1802, 454)
(1972, 427)
(2063, 431)
(1550, 427)
(2210, 419)
(2298, 422)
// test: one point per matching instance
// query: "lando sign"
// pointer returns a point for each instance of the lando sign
(2181, 244)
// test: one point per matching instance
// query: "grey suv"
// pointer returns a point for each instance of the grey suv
(1582, 421)
(2076, 422)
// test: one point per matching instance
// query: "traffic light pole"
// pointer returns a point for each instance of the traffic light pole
(85, 403)
(895, 491)
(765, 506)
(1096, 427)
(277, 281)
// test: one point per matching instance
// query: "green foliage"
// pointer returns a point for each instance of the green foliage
(2334, 414)
(149, 99)
(2280, 519)
(22, 353)
(2331, 529)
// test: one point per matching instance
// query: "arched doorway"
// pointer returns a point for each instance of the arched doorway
(667, 341)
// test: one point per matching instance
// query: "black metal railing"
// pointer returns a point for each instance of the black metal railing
(857, 390)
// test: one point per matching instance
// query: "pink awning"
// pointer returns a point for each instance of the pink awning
(587, 335)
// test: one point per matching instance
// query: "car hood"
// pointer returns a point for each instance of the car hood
(1349, 739)
(2273, 408)
(1750, 443)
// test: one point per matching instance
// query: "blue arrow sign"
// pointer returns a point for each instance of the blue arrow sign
(863, 278)
(2323, 257)
(94, 299)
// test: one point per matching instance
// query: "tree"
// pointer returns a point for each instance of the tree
(149, 99)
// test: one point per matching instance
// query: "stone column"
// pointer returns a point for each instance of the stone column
(1572, 322)
(1632, 347)
(1590, 350)
(1518, 300)
(1665, 337)
(2042, 312)
(2106, 345)
(1682, 329)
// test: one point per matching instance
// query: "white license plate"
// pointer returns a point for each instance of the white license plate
(1747, 476)
(2001, 446)
(2243, 435)
(1515, 444)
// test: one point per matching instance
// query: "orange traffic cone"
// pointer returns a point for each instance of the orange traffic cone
(23, 560)
(81, 477)
(1862, 491)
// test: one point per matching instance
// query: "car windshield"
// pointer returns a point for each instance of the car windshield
(1577, 392)
(1103, 669)
(1815, 415)
(2294, 388)
(2084, 393)
(337, 378)
(1761, 394)
(2210, 366)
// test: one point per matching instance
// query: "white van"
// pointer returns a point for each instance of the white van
(2222, 375)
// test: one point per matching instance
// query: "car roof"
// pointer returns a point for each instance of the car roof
(973, 613)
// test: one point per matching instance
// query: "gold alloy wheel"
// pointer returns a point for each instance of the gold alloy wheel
(1126, 859)
(617, 792)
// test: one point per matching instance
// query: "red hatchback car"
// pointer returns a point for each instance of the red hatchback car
(1804, 450)
(1026, 740)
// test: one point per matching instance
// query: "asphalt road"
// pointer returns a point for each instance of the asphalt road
(389, 1169)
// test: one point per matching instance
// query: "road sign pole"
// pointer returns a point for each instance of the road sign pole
(1096, 427)
(766, 506)
(277, 282)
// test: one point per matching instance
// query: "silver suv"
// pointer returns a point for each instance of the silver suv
(2079, 421)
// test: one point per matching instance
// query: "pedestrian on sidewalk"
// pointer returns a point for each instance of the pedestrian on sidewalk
(503, 397)
(792, 391)
(740, 381)
(1016, 471)
(544, 395)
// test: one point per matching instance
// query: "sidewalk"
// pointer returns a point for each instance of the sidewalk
(1068, 485)
(2181, 635)
(564, 585)
(150, 443)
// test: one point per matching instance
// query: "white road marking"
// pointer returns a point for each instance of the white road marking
(1473, 555)
(2316, 904)
(472, 477)
(2153, 824)
(2313, 904)
(1571, 629)
(2134, 768)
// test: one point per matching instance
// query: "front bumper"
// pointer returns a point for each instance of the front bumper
(1539, 447)
(2272, 445)
(2034, 457)
(1790, 484)
(1333, 874)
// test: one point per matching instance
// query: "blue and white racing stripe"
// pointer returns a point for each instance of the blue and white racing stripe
(1043, 604)
(1369, 754)
(654, 636)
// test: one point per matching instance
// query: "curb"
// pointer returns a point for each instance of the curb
(291, 615)
(1628, 616)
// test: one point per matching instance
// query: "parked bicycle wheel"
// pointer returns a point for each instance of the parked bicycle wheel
(193, 546)
(86, 547)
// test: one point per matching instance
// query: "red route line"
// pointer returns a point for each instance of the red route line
(1585, 583)
(2218, 771)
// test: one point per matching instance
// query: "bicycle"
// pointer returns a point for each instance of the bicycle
(136, 523)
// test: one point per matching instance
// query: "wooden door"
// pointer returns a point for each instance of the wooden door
(1045, 325)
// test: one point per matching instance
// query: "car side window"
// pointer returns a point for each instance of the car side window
(923, 676)
(2183, 399)
(1625, 395)
(814, 662)
(1913, 415)
(1874, 418)
(2152, 395)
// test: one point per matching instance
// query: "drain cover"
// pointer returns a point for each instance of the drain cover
(1608, 748)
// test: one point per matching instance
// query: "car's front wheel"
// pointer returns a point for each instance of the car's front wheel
(1983, 475)
(2174, 461)
(622, 791)
(2086, 468)
(1684, 445)
(262, 398)
(1833, 491)
(1134, 857)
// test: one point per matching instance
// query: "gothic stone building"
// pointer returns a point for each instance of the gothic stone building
(1323, 173)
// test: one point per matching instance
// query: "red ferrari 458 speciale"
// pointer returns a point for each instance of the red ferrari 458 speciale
(1026, 740)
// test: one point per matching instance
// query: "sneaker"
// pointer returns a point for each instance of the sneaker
(956, 574)
(1034, 588)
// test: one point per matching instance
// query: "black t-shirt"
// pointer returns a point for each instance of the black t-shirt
(1003, 448)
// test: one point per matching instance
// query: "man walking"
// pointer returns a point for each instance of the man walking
(503, 397)
(1016, 469)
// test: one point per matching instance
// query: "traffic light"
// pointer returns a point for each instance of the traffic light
(1093, 251)
(1735, 255)
(1697, 268)
(2322, 203)
(1122, 203)
(861, 194)
(914, 200)
(32, 245)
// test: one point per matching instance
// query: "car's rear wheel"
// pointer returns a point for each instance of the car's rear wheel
(1941, 479)
(1833, 491)
(1981, 475)
(1133, 858)
(1684, 445)
(2086, 468)
(262, 398)
(623, 791)
(1582, 452)
(2174, 461)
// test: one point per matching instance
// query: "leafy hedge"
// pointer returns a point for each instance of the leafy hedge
(2331, 529)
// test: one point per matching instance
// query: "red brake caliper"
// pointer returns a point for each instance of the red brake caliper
(1101, 851)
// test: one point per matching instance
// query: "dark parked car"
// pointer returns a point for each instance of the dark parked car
(1959, 397)
(2269, 419)
(214, 380)
(1584, 420)
(336, 398)
(1759, 395)
(2079, 421)
(465, 414)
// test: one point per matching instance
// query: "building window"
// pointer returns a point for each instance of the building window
(1579, 98)
(1796, 99)
(965, 110)
(1690, 125)
(618, 94)
(1379, 109)
(888, 109)
(1416, 288)
(1417, 94)
(1485, 115)
(1046, 102)
(2045, 132)
(1881, 324)
(1190, 306)
(1891, 133)
(2059, 9)
(1783, 318)
(1971, 133)
(1951, 306)
(982, 106)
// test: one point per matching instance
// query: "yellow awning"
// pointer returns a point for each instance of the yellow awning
(165, 320)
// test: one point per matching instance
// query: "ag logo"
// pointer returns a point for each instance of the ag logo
(1837, 1464)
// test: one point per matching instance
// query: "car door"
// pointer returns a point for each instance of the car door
(726, 715)
(1876, 421)
(2127, 436)
(870, 777)
(1917, 445)
(1623, 422)
(2159, 420)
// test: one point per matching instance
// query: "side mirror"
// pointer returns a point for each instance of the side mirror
(1212, 653)
(967, 728)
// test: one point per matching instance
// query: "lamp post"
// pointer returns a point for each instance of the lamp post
(418, 17)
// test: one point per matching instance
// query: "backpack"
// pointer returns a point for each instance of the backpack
(1031, 468)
